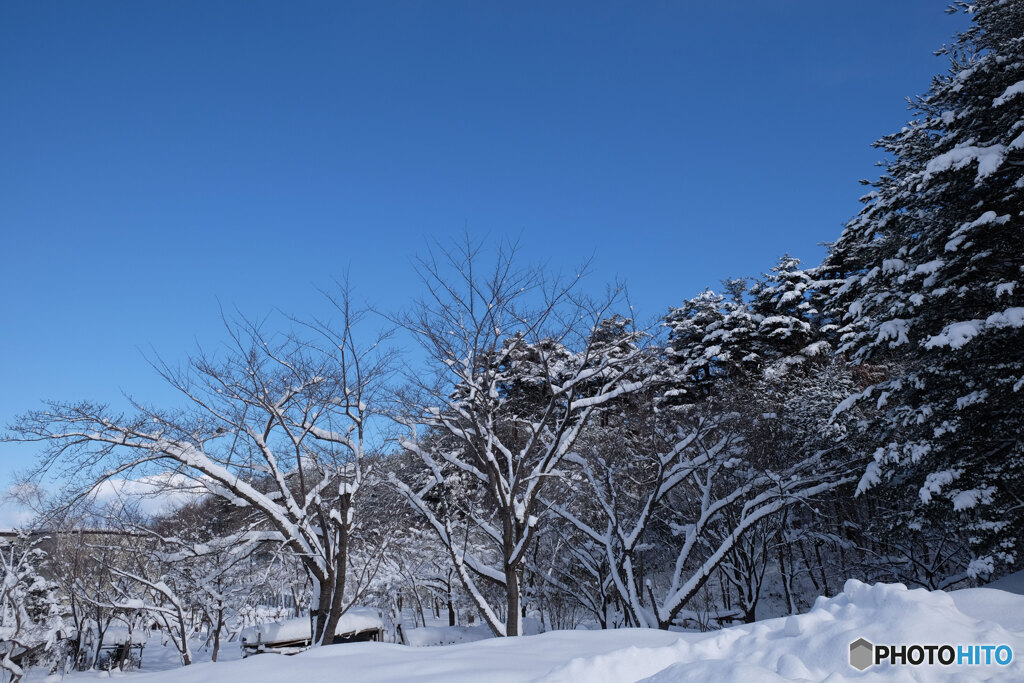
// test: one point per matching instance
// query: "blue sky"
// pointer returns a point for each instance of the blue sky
(159, 159)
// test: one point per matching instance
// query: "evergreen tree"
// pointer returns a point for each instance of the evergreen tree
(692, 362)
(768, 328)
(931, 297)
(782, 301)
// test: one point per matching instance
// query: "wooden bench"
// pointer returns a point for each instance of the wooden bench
(124, 656)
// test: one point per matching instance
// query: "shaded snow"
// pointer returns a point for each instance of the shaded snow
(1014, 583)
(429, 636)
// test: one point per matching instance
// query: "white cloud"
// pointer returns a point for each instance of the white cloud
(150, 494)
(14, 514)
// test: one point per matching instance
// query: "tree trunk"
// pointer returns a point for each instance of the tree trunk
(419, 606)
(821, 567)
(513, 615)
(785, 582)
(99, 643)
(216, 633)
(451, 608)
(749, 612)
(321, 612)
(331, 604)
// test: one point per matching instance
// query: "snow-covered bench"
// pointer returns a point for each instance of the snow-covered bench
(358, 624)
(121, 649)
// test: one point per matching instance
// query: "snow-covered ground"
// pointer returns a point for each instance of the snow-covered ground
(446, 635)
(812, 646)
(1013, 583)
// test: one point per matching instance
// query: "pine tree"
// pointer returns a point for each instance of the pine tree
(787, 303)
(931, 296)
(692, 362)
(763, 329)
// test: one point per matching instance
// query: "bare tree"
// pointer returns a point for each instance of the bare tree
(276, 423)
(672, 506)
(745, 564)
(520, 369)
(81, 549)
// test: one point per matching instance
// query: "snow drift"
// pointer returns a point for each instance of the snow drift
(815, 645)
(811, 646)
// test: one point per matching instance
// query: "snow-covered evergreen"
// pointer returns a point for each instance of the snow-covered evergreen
(931, 304)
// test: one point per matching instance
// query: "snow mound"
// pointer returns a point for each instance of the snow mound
(815, 645)
(986, 603)
(716, 670)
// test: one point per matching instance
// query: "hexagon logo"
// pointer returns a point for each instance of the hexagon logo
(862, 654)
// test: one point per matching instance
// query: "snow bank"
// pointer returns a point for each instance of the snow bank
(988, 604)
(815, 645)
(811, 646)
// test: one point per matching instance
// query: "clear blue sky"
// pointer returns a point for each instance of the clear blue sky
(158, 156)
